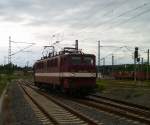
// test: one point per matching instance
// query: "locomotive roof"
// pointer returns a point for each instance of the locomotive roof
(61, 55)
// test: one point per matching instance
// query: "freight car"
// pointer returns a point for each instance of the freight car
(130, 75)
(69, 71)
(123, 75)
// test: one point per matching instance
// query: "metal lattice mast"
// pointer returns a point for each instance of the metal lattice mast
(98, 54)
(147, 74)
(99, 59)
(9, 51)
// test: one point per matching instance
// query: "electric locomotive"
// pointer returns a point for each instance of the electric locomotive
(70, 71)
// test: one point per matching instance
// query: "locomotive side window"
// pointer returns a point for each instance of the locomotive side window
(41, 65)
(38, 66)
(52, 63)
(76, 60)
(88, 60)
(55, 62)
(49, 63)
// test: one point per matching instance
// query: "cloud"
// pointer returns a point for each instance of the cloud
(85, 20)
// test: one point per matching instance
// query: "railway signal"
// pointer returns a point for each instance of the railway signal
(136, 53)
(135, 59)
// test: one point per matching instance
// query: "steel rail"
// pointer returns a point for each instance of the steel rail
(116, 109)
(123, 102)
(40, 107)
(68, 108)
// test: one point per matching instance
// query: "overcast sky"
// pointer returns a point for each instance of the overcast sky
(115, 22)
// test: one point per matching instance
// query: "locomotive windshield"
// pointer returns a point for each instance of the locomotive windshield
(76, 60)
(88, 60)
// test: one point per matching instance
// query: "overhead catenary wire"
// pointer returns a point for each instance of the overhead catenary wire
(137, 15)
(22, 42)
(126, 12)
(116, 50)
(105, 14)
(120, 15)
(21, 50)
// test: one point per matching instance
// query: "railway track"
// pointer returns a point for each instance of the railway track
(53, 110)
(121, 102)
(119, 108)
(123, 109)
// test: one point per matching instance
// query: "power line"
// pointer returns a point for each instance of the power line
(22, 42)
(21, 50)
(126, 21)
(129, 11)
(10, 54)
(107, 13)
(119, 48)
(143, 12)
(122, 14)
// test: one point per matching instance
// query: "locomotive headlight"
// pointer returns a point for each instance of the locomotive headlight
(73, 74)
(93, 74)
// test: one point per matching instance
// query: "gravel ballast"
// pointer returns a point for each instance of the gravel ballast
(103, 117)
(19, 110)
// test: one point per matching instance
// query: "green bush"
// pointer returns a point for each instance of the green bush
(100, 87)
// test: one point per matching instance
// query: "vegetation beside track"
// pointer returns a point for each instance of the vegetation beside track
(4, 79)
(126, 90)
(11, 72)
(7, 78)
(105, 84)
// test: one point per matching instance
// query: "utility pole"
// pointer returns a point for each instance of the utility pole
(142, 65)
(135, 58)
(112, 59)
(112, 62)
(135, 69)
(103, 67)
(103, 61)
(99, 59)
(9, 51)
(147, 74)
(148, 56)
(27, 64)
(76, 44)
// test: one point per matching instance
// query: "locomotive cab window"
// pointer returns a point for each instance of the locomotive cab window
(76, 60)
(88, 60)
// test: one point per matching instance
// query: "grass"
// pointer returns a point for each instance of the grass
(7, 78)
(2, 86)
(106, 84)
(3, 82)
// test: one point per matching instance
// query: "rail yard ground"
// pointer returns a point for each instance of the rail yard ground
(127, 90)
(17, 110)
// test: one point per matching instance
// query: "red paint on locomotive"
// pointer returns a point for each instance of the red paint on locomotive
(72, 71)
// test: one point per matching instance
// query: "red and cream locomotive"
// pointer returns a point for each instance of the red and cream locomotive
(70, 71)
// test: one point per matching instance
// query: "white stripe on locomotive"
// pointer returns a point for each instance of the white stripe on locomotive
(67, 74)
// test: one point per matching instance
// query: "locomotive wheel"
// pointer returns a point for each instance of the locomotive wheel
(35, 83)
(62, 88)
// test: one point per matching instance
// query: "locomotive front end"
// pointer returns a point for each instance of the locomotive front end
(81, 75)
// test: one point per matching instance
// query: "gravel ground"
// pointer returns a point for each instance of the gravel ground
(103, 117)
(20, 110)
